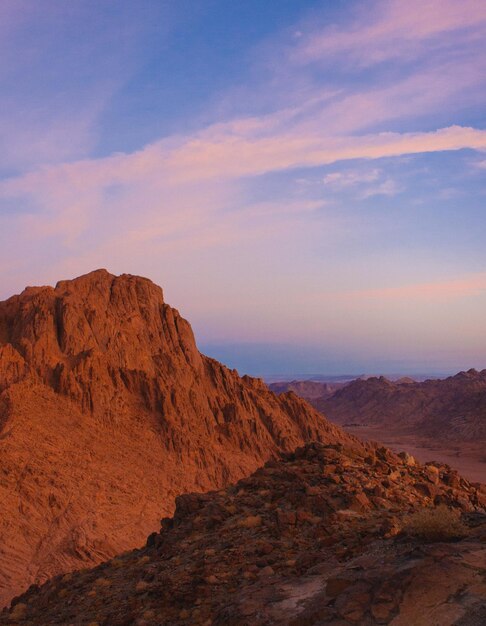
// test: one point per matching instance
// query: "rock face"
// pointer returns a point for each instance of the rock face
(320, 537)
(107, 413)
(453, 408)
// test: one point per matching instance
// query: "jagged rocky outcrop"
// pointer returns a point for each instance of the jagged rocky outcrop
(107, 412)
(453, 408)
(319, 537)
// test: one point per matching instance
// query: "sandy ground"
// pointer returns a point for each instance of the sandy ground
(468, 458)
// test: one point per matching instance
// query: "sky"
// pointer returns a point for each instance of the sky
(305, 180)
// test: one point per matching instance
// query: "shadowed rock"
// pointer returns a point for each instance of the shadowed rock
(316, 538)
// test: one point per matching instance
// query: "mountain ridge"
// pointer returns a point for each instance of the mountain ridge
(451, 408)
(317, 537)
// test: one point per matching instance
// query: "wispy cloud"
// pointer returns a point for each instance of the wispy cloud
(342, 180)
(392, 29)
(218, 205)
(388, 187)
(443, 290)
(223, 153)
(177, 194)
(61, 64)
(371, 182)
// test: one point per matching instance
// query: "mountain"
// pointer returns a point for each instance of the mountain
(330, 534)
(310, 390)
(107, 413)
(453, 408)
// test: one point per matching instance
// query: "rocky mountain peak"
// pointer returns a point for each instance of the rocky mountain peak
(107, 412)
(90, 337)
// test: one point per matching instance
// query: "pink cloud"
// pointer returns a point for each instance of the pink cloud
(215, 154)
(396, 29)
(467, 286)
(187, 180)
(176, 190)
(236, 155)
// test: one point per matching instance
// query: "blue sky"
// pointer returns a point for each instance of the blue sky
(306, 180)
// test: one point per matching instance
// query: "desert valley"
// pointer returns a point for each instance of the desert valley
(437, 419)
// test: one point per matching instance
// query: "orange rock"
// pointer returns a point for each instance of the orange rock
(359, 502)
(286, 518)
(252, 521)
(229, 574)
(107, 412)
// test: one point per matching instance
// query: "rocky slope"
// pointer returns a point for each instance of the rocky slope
(323, 536)
(453, 408)
(107, 413)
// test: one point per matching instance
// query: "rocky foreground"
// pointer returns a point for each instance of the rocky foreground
(327, 535)
(107, 412)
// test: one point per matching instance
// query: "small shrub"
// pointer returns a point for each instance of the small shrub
(435, 524)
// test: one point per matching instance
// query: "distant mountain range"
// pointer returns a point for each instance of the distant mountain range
(347, 378)
(452, 408)
(311, 390)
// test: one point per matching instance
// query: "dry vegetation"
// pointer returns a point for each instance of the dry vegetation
(435, 524)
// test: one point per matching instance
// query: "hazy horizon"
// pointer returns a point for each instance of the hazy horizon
(306, 181)
(284, 362)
